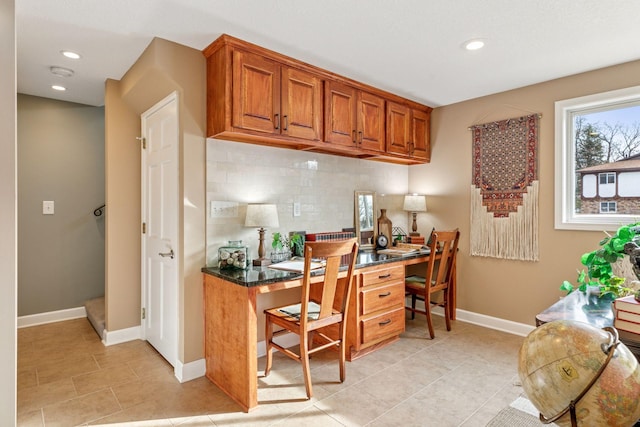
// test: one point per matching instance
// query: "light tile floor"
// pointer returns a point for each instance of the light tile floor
(66, 377)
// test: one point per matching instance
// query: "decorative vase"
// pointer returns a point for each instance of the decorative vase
(233, 256)
(384, 224)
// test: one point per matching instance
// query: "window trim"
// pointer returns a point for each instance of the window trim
(606, 175)
(565, 216)
(615, 205)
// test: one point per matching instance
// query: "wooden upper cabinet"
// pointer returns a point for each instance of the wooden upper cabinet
(408, 131)
(398, 128)
(354, 118)
(301, 104)
(259, 96)
(420, 135)
(273, 98)
(256, 93)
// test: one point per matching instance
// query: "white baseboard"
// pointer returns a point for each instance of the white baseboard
(51, 316)
(494, 323)
(121, 335)
(189, 371)
(483, 320)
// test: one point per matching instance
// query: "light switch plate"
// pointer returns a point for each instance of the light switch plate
(220, 209)
(47, 207)
(296, 209)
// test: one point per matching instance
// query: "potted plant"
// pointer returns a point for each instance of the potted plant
(280, 246)
(598, 263)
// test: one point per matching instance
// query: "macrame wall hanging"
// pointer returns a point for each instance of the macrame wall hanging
(504, 191)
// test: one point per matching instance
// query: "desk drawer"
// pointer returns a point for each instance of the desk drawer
(383, 325)
(382, 297)
(385, 274)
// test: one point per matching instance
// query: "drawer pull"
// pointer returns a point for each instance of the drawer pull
(384, 295)
(386, 276)
(384, 322)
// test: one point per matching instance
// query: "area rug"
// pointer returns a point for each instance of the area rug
(520, 413)
(504, 191)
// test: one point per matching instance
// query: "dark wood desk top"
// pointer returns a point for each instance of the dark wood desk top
(258, 276)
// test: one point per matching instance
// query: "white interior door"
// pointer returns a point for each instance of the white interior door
(160, 244)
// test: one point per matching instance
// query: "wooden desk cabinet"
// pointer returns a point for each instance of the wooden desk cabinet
(377, 309)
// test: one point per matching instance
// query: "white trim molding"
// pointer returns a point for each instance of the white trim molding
(190, 371)
(51, 317)
(121, 335)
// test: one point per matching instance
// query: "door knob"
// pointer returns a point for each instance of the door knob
(167, 254)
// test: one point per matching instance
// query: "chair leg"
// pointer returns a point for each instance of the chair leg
(343, 357)
(447, 314)
(304, 359)
(268, 339)
(413, 306)
(427, 308)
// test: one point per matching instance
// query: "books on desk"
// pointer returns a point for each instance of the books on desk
(627, 315)
(403, 249)
(295, 265)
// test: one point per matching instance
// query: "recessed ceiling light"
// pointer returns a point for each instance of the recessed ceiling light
(70, 54)
(61, 71)
(60, 88)
(473, 44)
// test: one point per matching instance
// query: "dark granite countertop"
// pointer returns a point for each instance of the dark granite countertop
(257, 276)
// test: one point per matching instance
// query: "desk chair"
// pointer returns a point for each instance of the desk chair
(318, 308)
(438, 276)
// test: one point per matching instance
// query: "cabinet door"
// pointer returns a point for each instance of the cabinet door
(256, 93)
(398, 128)
(370, 115)
(301, 104)
(420, 128)
(340, 110)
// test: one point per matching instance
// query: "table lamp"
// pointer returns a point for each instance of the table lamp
(415, 203)
(261, 215)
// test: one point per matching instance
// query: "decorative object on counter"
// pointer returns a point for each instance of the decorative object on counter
(399, 235)
(296, 242)
(414, 203)
(280, 245)
(234, 255)
(614, 251)
(385, 228)
(504, 189)
(261, 215)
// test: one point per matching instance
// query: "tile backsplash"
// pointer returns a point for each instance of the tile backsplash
(322, 184)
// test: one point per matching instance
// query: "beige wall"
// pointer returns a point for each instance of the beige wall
(60, 158)
(163, 68)
(8, 206)
(505, 289)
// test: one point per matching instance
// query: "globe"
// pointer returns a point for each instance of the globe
(562, 360)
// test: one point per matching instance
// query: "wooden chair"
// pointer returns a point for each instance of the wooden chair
(322, 305)
(438, 276)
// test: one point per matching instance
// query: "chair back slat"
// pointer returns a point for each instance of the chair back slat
(445, 244)
(332, 296)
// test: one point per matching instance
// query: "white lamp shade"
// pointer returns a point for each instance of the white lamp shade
(261, 215)
(415, 203)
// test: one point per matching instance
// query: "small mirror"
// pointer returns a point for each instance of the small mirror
(365, 218)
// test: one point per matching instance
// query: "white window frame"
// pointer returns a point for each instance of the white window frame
(607, 175)
(565, 216)
(615, 207)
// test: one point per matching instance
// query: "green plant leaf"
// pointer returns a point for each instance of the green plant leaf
(567, 287)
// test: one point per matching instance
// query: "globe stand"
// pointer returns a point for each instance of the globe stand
(609, 350)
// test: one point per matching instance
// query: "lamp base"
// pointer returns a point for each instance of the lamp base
(261, 262)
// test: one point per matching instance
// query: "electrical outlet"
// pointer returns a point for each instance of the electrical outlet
(296, 209)
(219, 209)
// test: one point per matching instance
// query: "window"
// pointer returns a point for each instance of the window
(607, 178)
(608, 207)
(594, 130)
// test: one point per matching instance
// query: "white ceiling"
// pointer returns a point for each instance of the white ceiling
(408, 47)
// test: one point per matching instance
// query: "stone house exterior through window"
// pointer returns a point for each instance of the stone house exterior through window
(611, 187)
